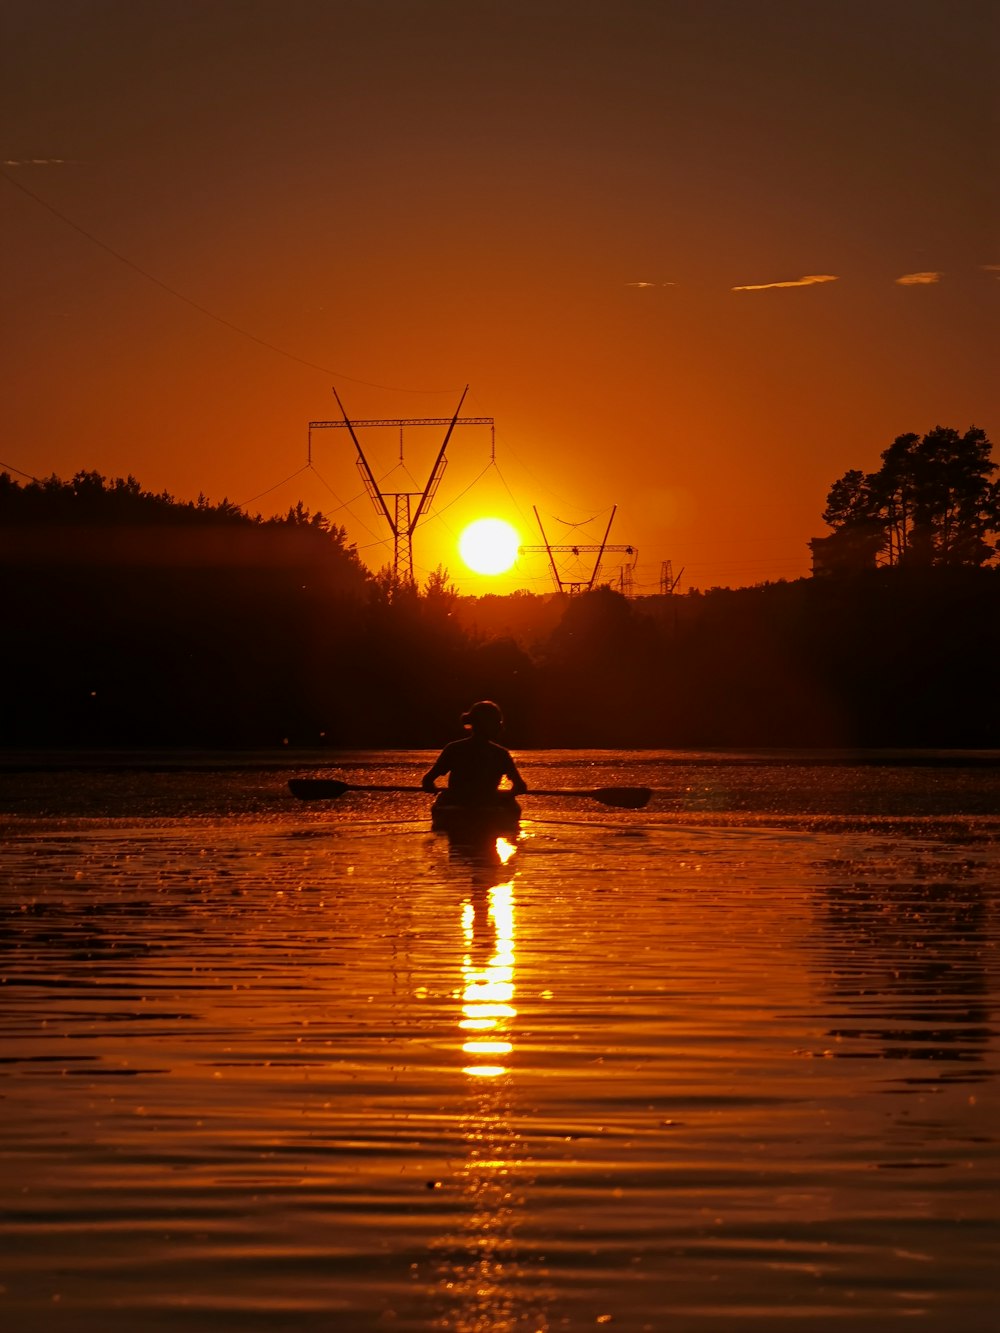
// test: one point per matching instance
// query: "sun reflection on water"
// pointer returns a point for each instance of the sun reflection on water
(482, 1281)
(488, 989)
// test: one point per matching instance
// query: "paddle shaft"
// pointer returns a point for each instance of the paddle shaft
(629, 798)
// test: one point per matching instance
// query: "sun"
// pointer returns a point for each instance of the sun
(489, 546)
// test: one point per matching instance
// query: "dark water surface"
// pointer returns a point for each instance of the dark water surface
(729, 1062)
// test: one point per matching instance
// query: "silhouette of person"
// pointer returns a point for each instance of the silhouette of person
(477, 764)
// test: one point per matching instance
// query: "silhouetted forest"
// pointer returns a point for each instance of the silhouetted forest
(132, 619)
(932, 502)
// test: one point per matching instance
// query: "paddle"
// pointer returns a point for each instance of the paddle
(328, 789)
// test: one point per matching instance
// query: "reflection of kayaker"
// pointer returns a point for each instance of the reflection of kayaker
(475, 767)
(473, 823)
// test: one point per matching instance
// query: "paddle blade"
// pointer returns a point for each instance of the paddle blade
(317, 789)
(626, 798)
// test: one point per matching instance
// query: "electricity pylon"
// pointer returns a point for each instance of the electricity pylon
(402, 514)
(667, 580)
(600, 550)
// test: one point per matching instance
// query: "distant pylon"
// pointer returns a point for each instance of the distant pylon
(667, 581)
(599, 550)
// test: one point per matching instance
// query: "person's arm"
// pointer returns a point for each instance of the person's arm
(438, 769)
(517, 782)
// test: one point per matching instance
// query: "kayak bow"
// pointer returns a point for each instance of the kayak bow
(501, 816)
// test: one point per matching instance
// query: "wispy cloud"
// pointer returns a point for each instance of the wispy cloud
(35, 161)
(651, 284)
(991, 268)
(810, 280)
(919, 279)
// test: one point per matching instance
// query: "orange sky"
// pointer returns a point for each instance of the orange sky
(401, 197)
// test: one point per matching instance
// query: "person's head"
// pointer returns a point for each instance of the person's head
(483, 719)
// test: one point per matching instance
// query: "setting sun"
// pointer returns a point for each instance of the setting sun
(489, 546)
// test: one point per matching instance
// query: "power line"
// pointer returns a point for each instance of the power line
(474, 482)
(540, 485)
(195, 305)
(346, 504)
(260, 495)
(517, 508)
(9, 468)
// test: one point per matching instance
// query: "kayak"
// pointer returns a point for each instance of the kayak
(498, 816)
(475, 821)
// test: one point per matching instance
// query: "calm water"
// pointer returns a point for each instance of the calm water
(726, 1063)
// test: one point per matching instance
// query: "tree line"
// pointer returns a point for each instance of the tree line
(132, 619)
(932, 502)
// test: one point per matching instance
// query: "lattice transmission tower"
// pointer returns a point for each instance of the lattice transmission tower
(402, 510)
(598, 549)
(667, 580)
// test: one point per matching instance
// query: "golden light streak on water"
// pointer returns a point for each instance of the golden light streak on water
(489, 987)
(481, 1285)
